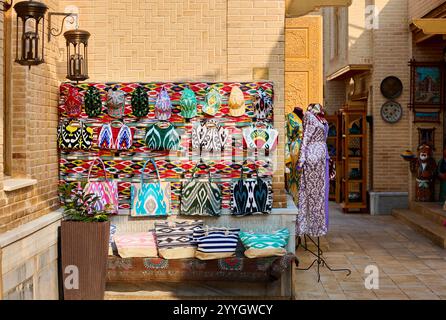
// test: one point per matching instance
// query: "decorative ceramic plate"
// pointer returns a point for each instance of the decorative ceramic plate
(391, 87)
(391, 112)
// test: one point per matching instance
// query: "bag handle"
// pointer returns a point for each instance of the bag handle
(103, 166)
(243, 166)
(144, 169)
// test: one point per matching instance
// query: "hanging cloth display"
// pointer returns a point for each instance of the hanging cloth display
(140, 103)
(261, 136)
(263, 106)
(188, 104)
(74, 136)
(116, 103)
(93, 102)
(151, 198)
(237, 106)
(163, 106)
(106, 190)
(209, 135)
(312, 219)
(251, 196)
(200, 198)
(73, 103)
(115, 136)
(162, 136)
(213, 102)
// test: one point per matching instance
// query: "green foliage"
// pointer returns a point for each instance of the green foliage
(80, 206)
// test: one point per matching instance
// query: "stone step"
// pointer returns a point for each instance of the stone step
(431, 210)
(435, 232)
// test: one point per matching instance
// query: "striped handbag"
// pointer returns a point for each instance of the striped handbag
(251, 196)
(216, 243)
(201, 198)
(106, 190)
(150, 199)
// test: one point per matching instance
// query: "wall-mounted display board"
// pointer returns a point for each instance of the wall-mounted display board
(91, 106)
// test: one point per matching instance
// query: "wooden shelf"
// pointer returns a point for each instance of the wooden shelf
(349, 162)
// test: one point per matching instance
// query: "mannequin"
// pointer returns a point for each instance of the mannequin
(314, 186)
(293, 143)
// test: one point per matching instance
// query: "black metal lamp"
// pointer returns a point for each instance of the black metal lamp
(30, 32)
(77, 54)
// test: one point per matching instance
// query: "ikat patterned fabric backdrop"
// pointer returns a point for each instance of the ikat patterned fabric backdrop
(174, 166)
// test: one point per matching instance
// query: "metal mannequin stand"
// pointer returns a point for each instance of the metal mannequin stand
(319, 259)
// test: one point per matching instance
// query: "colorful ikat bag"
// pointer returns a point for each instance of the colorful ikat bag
(106, 190)
(74, 135)
(201, 197)
(150, 198)
(251, 196)
(162, 136)
(261, 136)
(209, 136)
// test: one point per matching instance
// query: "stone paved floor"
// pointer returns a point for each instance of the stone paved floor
(410, 266)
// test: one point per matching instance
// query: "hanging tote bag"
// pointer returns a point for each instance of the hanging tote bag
(162, 136)
(200, 198)
(73, 103)
(212, 103)
(261, 136)
(93, 102)
(188, 103)
(106, 190)
(251, 196)
(140, 103)
(151, 198)
(74, 135)
(209, 136)
(163, 106)
(263, 106)
(116, 103)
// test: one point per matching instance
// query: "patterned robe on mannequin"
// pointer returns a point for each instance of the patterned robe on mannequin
(293, 143)
(312, 218)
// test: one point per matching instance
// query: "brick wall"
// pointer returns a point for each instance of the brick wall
(34, 123)
(391, 55)
(419, 8)
(134, 40)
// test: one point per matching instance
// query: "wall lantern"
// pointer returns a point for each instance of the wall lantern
(31, 38)
(77, 54)
(29, 48)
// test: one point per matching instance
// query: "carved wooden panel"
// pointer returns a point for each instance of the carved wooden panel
(296, 45)
(297, 89)
(303, 62)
